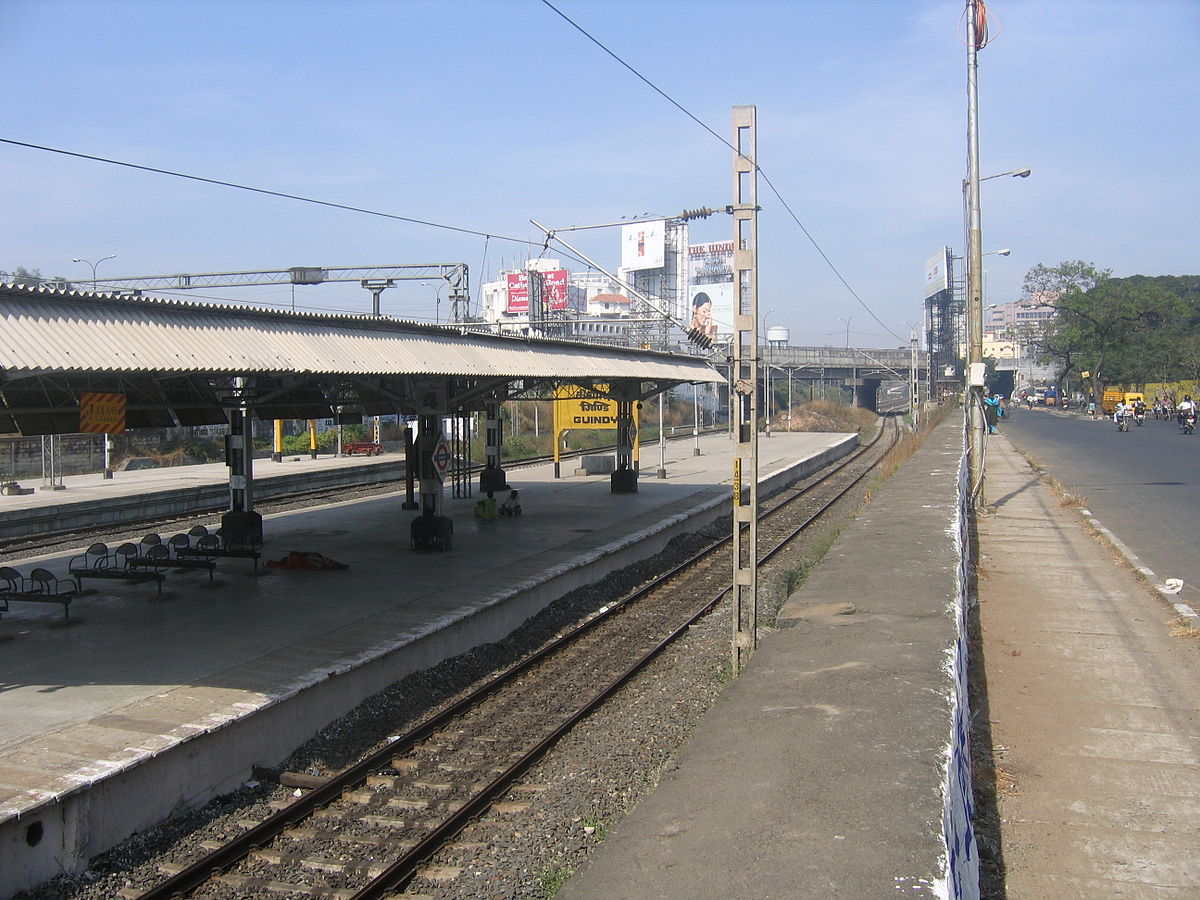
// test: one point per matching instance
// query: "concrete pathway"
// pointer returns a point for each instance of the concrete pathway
(1093, 705)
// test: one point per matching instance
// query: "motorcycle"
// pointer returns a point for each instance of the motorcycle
(1189, 422)
(1123, 422)
(1140, 418)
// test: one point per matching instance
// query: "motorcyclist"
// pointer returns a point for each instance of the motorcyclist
(1120, 411)
(1139, 410)
(1186, 406)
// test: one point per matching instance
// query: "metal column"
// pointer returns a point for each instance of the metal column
(241, 526)
(745, 384)
(492, 478)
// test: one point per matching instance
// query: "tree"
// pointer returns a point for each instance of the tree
(1098, 319)
(34, 278)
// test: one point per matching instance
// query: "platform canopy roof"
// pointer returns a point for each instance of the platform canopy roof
(179, 362)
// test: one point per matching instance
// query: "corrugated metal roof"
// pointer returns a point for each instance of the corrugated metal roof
(45, 331)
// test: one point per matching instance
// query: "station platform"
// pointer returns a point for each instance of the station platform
(136, 706)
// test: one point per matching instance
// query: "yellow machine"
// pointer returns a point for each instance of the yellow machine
(1113, 396)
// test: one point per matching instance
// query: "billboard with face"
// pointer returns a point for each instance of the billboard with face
(710, 287)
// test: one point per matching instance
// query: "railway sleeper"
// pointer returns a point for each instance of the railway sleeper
(395, 782)
(309, 833)
(255, 887)
(353, 868)
(443, 809)
(369, 819)
(510, 807)
(439, 874)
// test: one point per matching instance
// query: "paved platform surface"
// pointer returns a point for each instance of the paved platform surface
(130, 678)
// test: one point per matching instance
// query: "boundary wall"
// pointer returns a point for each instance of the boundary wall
(958, 813)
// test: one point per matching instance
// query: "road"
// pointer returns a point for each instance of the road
(1143, 485)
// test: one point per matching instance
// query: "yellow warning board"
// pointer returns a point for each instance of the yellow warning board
(101, 413)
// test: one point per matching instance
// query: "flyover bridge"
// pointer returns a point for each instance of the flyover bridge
(861, 369)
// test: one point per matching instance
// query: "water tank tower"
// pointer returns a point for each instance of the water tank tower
(778, 336)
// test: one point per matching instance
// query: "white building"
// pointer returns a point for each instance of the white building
(1010, 333)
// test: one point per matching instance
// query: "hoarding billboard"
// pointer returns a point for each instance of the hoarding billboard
(937, 273)
(643, 245)
(554, 290)
(710, 287)
(518, 292)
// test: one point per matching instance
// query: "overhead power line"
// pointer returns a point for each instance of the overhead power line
(679, 106)
(257, 190)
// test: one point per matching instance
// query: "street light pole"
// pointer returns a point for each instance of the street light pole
(93, 265)
(854, 369)
(974, 310)
(437, 301)
(767, 375)
(107, 439)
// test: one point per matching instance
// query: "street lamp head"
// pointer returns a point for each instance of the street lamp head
(1022, 173)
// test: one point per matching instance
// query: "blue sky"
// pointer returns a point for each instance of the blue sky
(482, 115)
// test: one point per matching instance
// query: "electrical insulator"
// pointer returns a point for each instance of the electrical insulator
(698, 337)
(703, 213)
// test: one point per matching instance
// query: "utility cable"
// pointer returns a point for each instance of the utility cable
(256, 190)
(726, 143)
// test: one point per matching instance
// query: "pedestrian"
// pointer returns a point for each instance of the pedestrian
(511, 506)
(991, 412)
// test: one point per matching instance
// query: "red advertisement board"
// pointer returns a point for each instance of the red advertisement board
(518, 292)
(554, 290)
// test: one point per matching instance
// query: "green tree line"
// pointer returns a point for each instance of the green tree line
(1121, 331)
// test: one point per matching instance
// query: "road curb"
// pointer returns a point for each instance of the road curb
(1186, 610)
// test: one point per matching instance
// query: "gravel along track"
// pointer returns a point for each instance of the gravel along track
(527, 843)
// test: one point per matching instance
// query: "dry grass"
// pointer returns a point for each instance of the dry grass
(1184, 628)
(824, 416)
(1005, 782)
(908, 443)
(1066, 499)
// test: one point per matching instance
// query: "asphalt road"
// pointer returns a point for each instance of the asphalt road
(1143, 485)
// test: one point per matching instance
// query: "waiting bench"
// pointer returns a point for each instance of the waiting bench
(42, 586)
(153, 555)
(100, 562)
(199, 544)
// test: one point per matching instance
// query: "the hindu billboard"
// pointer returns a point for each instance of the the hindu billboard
(710, 288)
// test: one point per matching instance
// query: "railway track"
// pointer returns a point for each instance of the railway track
(368, 830)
